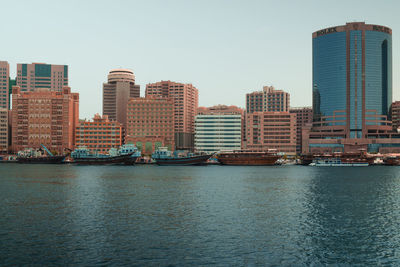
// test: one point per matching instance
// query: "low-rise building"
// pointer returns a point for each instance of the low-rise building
(271, 131)
(218, 128)
(150, 123)
(99, 135)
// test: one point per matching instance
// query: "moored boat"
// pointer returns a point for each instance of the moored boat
(127, 154)
(163, 156)
(243, 157)
(38, 157)
(391, 161)
(337, 162)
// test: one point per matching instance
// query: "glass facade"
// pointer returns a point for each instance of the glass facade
(347, 61)
(329, 74)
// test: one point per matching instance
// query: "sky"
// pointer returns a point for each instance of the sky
(224, 48)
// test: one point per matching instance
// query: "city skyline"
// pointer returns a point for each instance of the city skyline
(225, 49)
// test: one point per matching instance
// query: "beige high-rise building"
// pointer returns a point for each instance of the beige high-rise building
(186, 102)
(3, 130)
(116, 93)
(275, 100)
(4, 84)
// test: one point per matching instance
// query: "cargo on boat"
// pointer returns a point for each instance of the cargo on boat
(126, 154)
(245, 157)
(163, 156)
(38, 156)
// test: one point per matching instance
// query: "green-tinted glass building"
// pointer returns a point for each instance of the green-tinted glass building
(41, 75)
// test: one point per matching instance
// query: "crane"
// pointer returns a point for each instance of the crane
(48, 151)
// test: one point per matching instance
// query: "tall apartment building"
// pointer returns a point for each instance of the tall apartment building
(4, 84)
(116, 93)
(269, 99)
(99, 135)
(218, 128)
(275, 100)
(271, 130)
(395, 114)
(186, 101)
(41, 75)
(254, 102)
(150, 123)
(3, 130)
(304, 116)
(44, 117)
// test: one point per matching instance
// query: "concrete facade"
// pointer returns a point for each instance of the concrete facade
(4, 130)
(4, 84)
(255, 102)
(304, 116)
(395, 115)
(116, 93)
(275, 100)
(44, 117)
(150, 123)
(186, 102)
(41, 75)
(218, 128)
(99, 135)
(271, 130)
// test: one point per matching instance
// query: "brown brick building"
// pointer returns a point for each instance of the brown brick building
(186, 101)
(44, 117)
(150, 123)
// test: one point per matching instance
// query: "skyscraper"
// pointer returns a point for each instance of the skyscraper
(116, 93)
(4, 84)
(186, 102)
(41, 75)
(352, 90)
(352, 78)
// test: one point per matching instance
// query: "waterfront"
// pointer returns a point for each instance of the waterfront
(151, 215)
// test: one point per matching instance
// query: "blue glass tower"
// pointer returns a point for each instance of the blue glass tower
(352, 78)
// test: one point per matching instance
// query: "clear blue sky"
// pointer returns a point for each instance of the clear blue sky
(225, 48)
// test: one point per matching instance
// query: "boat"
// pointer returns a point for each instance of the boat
(391, 161)
(163, 156)
(33, 156)
(245, 157)
(126, 154)
(337, 162)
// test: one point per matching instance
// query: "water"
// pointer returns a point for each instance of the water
(196, 216)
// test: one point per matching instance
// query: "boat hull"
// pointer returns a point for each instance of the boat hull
(248, 159)
(184, 161)
(124, 159)
(340, 165)
(41, 160)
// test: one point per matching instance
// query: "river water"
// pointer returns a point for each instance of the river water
(150, 215)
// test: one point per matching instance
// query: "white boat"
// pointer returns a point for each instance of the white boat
(336, 162)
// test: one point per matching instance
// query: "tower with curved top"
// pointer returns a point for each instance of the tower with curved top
(116, 93)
